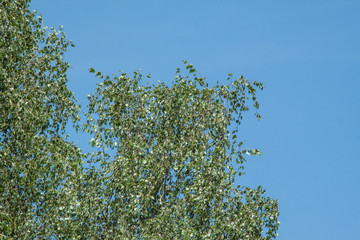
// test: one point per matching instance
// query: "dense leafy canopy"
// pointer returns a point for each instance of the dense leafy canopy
(165, 157)
(37, 161)
(174, 163)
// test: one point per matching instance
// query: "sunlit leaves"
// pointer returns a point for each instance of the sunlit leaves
(171, 161)
(165, 156)
(37, 163)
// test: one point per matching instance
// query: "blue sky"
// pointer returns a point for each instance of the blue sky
(307, 54)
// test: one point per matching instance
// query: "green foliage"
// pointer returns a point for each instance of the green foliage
(37, 163)
(174, 161)
(165, 160)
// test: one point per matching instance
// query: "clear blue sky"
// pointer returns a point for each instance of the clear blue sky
(307, 54)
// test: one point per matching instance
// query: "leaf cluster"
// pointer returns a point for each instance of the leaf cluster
(37, 163)
(164, 162)
(170, 161)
